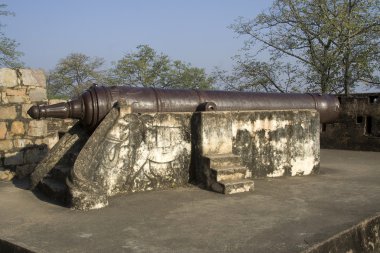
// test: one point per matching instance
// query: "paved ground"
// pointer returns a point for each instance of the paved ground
(281, 215)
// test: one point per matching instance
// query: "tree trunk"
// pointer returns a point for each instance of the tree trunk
(347, 53)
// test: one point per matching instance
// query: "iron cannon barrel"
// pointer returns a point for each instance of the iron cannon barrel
(94, 104)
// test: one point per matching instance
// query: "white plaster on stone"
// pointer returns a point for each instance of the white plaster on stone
(99, 205)
(303, 165)
(216, 133)
(244, 188)
(154, 157)
(157, 155)
(258, 125)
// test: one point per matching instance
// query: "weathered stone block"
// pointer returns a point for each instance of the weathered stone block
(33, 77)
(37, 128)
(3, 130)
(16, 95)
(25, 170)
(6, 145)
(17, 128)
(8, 77)
(15, 158)
(17, 99)
(216, 133)
(35, 154)
(37, 94)
(50, 140)
(20, 91)
(22, 143)
(8, 112)
(3, 98)
(6, 175)
(130, 154)
(72, 141)
(24, 110)
(55, 101)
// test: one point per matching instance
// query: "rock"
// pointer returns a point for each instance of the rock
(17, 99)
(37, 94)
(3, 98)
(56, 101)
(8, 112)
(16, 92)
(33, 77)
(7, 175)
(6, 145)
(21, 143)
(16, 158)
(8, 77)
(17, 127)
(24, 170)
(24, 110)
(3, 130)
(37, 128)
(35, 154)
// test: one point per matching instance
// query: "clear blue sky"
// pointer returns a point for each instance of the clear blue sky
(193, 31)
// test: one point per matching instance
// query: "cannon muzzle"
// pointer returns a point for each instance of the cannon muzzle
(94, 104)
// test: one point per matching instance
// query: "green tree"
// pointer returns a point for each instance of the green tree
(257, 76)
(147, 68)
(332, 44)
(183, 75)
(73, 74)
(9, 56)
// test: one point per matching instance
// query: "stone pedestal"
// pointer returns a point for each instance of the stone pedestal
(223, 151)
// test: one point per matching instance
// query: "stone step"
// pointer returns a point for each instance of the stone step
(60, 173)
(54, 190)
(228, 173)
(233, 186)
(223, 160)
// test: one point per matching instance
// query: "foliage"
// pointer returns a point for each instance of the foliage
(332, 45)
(73, 74)
(258, 76)
(147, 68)
(9, 56)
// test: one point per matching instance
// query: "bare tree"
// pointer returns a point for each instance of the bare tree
(334, 44)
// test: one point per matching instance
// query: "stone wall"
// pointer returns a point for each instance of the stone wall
(363, 237)
(24, 141)
(358, 126)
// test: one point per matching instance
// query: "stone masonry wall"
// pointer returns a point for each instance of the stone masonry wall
(358, 126)
(24, 141)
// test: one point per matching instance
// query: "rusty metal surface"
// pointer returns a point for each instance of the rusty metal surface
(92, 106)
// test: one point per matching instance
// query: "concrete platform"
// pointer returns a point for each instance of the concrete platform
(281, 215)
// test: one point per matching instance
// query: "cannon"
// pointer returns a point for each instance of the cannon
(94, 104)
